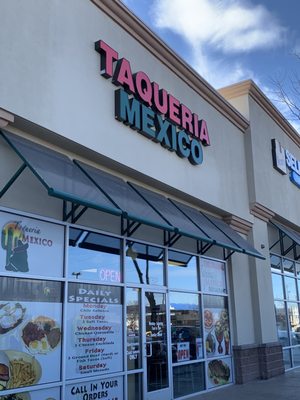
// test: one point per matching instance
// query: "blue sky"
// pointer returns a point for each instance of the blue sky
(227, 41)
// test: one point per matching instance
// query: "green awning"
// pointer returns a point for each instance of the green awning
(59, 175)
(88, 186)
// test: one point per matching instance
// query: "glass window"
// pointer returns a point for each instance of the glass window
(93, 256)
(277, 286)
(156, 341)
(216, 324)
(94, 330)
(281, 323)
(213, 277)
(275, 263)
(290, 288)
(30, 330)
(287, 359)
(297, 267)
(134, 387)
(288, 267)
(182, 269)
(186, 330)
(144, 264)
(133, 310)
(188, 379)
(293, 313)
(27, 241)
(296, 356)
(110, 388)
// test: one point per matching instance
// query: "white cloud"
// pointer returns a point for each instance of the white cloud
(230, 26)
(219, 72)
(217, 31)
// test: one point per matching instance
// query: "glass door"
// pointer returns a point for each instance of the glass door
(156, 382)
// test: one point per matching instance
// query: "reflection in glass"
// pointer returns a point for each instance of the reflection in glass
(296, 356)
(275, 263)
(297, 266)
(144, 264)
(288, 267)
(134, 387)
(216, 325)
(290, 288)
(186, 332)
(277, 286)
(188, 379)
(182, 271)
(156, 341)
(281, 323)
(133, 328)
(93, 256)
(287, 359)
(293, 314)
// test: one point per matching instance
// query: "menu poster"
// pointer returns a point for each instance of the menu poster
(108, 389)
(94, 329)
(218, 372)
(217, 339)
(31, 246)
(216, 325)
(212, 276)
(30, 331)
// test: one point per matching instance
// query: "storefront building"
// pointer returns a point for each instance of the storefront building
(149, 224)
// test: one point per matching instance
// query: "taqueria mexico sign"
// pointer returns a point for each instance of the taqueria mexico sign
(151, 110)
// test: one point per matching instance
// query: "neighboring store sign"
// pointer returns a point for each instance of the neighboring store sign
(94, 330)
(151, 110)
(31, 246)
(283, 161)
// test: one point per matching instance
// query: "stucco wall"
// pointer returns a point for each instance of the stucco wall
(49, 74)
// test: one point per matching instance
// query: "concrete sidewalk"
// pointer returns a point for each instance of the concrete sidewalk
(283, 387)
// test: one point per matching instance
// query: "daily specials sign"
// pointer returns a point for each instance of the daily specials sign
(151, 110)
(94, 329)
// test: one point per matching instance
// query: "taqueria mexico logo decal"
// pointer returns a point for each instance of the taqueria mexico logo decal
(151, 110)
(16, 238)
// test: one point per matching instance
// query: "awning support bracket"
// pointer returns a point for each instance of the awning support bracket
(296, 256)
(292, 247)
(203, 248)
(12, 179)
(228, 255)
(171, 238)
(131, 227)
(284, 251)
(71, 214)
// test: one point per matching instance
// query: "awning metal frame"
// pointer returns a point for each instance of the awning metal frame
(13, 179)
(74, 207)
(170, 238)
(71, 214)
(203, 247)
(128, 227)
(284, 251)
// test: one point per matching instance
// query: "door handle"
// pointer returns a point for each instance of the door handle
(148, 346)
